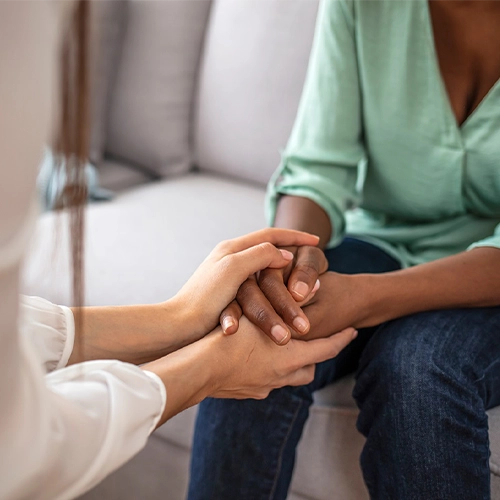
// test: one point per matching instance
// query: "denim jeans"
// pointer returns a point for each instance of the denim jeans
(423, 385)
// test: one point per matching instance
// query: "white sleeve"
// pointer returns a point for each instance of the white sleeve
(49, 328)
(65, 432)
(59, 433)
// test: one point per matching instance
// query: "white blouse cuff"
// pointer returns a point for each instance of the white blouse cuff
(163, 395)
(70, 337)
(49, 328)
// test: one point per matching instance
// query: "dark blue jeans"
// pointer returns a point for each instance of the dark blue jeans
(424, 383)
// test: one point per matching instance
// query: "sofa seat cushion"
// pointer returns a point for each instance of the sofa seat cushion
(117, 177)
(138, 248)
(494, 425)
(338, 394)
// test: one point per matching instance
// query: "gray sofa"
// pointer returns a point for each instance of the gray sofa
(192, 102)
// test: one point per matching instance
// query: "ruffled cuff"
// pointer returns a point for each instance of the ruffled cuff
(163, 395)
(49, 328)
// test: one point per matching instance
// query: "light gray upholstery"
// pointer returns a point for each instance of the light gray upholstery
(151, 105)
(118, 176)
(143, 245)
(107, 29)
(252, 74)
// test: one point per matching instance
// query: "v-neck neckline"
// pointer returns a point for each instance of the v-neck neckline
(437, 70)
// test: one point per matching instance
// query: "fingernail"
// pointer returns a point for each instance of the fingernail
(300, 289)
(315, 287)
(279, 333)
(354, 334)
(286, 254)
(300, 324)
(227, 323)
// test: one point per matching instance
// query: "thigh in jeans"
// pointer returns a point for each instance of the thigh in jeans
(423, 387)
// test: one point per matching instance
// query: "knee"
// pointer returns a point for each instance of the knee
(405, 371)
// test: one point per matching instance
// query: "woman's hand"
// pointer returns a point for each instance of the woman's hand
(247, 365)
(263, 366)
(342, 300)
(272, 299)
(216, 282)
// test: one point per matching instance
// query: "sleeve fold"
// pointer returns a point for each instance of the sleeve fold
(325, 159)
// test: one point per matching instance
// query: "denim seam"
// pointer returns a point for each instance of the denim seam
(282, 450)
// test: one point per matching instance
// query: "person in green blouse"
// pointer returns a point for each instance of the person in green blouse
(394, 161)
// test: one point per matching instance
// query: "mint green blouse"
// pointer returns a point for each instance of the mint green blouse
(376, 144)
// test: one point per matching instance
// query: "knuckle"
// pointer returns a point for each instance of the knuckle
(308, 270)
(269, 280)
(284, 309)
(228, 262)
(260, 315)
(224, 246)
(270, 287)
(266, 246)
(286, 306)
(246, 292)
(313, 258)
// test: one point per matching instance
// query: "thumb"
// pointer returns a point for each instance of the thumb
(257, 258)
(319, 350)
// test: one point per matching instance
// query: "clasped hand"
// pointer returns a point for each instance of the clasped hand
(299, 300)
(249, 364)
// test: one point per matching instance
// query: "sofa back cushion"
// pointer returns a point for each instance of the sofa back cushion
(253, 69)
(149, 123)
(107, 24)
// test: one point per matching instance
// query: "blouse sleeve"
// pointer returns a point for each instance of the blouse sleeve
(325, 148)
(49, 328)
(63, 432)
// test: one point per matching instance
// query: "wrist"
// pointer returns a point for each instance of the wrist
(371, 297)
(178, 319)
(190, 375)
(388, 296)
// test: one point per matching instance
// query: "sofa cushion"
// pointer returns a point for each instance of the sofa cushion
(138, 248)
(107, 25)
(117, 177)
(494, 425)
(151, 103)
(329, 447)
(252, 74)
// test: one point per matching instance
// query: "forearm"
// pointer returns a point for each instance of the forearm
(295, 212)
(136, 334)
(189, 375)
(468, 279)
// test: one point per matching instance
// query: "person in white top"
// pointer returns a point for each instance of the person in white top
(74, 404)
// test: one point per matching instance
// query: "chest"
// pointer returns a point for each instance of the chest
(431, 112)
(467, 44)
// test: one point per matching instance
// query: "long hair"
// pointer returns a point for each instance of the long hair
(72, 142)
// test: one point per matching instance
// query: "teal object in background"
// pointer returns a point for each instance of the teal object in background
(376, 144)
(51, 180)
